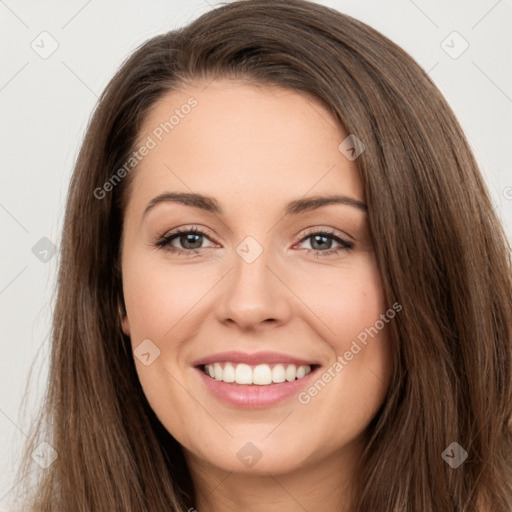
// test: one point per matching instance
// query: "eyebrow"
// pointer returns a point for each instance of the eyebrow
(210, 204)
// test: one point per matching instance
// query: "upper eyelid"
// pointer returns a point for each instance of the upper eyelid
(331, 231)
(181, 231)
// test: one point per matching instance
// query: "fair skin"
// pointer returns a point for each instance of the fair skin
(255, 149)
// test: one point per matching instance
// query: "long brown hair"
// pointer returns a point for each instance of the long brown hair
(441, 252)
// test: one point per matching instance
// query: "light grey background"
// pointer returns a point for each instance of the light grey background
(46, 103)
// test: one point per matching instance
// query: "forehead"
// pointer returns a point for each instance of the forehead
(243, 144)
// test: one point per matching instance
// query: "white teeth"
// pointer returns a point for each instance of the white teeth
(260, 375)
(243, 374)
(278, 374)
(290, 373)
(217, 371)
(229, 373)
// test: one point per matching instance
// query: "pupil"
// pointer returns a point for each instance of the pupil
(325, 239)
(189, 238)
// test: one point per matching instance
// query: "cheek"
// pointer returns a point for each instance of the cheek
(159, 302)
(158, 296)
(350, 307)
(346, 300)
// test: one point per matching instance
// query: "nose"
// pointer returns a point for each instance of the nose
(253, 296)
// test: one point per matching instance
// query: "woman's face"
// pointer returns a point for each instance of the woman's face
(277, 290)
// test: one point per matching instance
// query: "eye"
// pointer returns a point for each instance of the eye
(189, 241)
(321, 243)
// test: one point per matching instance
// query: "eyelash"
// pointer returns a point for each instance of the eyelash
(165, 242)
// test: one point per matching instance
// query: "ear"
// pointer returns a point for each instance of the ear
(126, 324)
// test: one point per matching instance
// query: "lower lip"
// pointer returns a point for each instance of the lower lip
(254, 396)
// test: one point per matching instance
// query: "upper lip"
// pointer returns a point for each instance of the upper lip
(252, 359)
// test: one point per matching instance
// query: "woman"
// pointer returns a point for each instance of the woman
(282, 286)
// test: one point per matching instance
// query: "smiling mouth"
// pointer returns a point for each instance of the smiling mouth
(259, 375)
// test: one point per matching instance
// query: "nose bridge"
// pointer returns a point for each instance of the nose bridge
(253, 294)
(251, 263)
